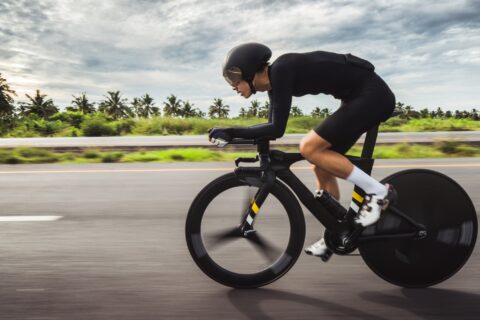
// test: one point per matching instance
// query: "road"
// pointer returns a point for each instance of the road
(117, 251)
(192, 141)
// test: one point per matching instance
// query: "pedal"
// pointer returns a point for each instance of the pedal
(391, 197)
(326, 256)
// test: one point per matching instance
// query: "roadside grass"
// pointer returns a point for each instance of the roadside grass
(73, 125)
(442, 149)
(196, 126)
(425, 125)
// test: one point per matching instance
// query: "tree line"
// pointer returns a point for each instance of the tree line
(117, 107)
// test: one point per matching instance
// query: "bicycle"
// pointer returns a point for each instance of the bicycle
(421, 240)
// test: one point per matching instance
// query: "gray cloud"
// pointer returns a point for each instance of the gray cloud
(428, 51)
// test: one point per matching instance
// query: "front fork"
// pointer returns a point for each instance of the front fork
(265, 180)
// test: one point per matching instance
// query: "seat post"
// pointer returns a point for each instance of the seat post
(369, 143)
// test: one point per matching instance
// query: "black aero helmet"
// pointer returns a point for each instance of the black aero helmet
(243, 61)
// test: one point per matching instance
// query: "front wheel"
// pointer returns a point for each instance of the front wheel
(229, 257)
(439, 204)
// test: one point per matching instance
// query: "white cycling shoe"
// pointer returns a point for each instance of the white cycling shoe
(373, 205)
(319, 249)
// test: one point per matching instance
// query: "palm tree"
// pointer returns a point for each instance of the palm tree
(7, 109)
(172, 107)
(187, 110)
(82, 104)
(218, 109)
(296, 112)
(199, 113)
(325, 112)
(400, 109)
(264, 110)
(149, 108)
(38, 105)
(320, 113)
(253, 109)
(407, 111)
(137, 107)
(144, 107)
(115, 106)
(439, 113)
(242, 113)
(474, 114)
(316, 113)
(424, 113)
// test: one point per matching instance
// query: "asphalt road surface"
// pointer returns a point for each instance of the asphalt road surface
(113, 247)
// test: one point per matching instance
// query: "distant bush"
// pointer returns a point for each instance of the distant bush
(124, 126)
(73, 118)
(112, 157)
(395, 122)
(441, 125)
(91, 154)
(97, 127)
(302, 124)
(456, 148)
(27, 155)
(165, 126)
(65, 124)
(47, 128)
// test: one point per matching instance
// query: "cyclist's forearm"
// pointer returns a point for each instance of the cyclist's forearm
(259, 130)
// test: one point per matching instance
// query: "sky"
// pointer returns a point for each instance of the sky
(427, 51)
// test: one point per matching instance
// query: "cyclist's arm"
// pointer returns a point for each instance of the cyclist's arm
(280, 103)
(278, 117)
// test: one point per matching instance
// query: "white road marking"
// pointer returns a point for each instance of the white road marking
(29, 218)
(30, 290)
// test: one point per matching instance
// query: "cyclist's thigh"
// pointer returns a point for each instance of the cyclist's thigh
(372, 105)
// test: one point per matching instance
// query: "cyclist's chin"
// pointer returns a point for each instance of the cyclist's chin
(248, 95)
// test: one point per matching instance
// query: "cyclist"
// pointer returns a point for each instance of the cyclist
(366, 100)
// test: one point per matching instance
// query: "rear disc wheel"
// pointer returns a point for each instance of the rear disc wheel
(444, 208)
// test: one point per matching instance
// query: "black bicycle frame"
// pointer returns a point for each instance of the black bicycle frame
(276, 164)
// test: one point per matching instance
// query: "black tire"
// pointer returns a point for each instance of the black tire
(287, 256)
(444, 208)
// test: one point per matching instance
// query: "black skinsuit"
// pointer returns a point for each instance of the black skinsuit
(366, 99)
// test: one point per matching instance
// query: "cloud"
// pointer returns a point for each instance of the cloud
(428, 51)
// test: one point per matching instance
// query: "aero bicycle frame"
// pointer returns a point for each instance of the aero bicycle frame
(276, 164)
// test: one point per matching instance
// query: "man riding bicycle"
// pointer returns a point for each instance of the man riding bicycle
(366, 100)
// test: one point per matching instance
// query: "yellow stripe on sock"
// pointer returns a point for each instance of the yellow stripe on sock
(255, 208)
(357, 197)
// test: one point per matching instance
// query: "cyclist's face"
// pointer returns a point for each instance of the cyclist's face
(242, 88)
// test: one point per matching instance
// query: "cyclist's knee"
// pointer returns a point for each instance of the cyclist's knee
(312, 143)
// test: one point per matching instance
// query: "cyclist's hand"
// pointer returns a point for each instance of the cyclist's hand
(220, 136)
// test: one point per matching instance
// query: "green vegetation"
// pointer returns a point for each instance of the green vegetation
(72, 124)
(443, 149)
(115, 115)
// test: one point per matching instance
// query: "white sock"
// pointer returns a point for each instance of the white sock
(366, 182)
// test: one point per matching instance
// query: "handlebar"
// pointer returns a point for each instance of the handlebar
(242, 141)
(251, 141)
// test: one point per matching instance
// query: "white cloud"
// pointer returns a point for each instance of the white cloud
(428, 51)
